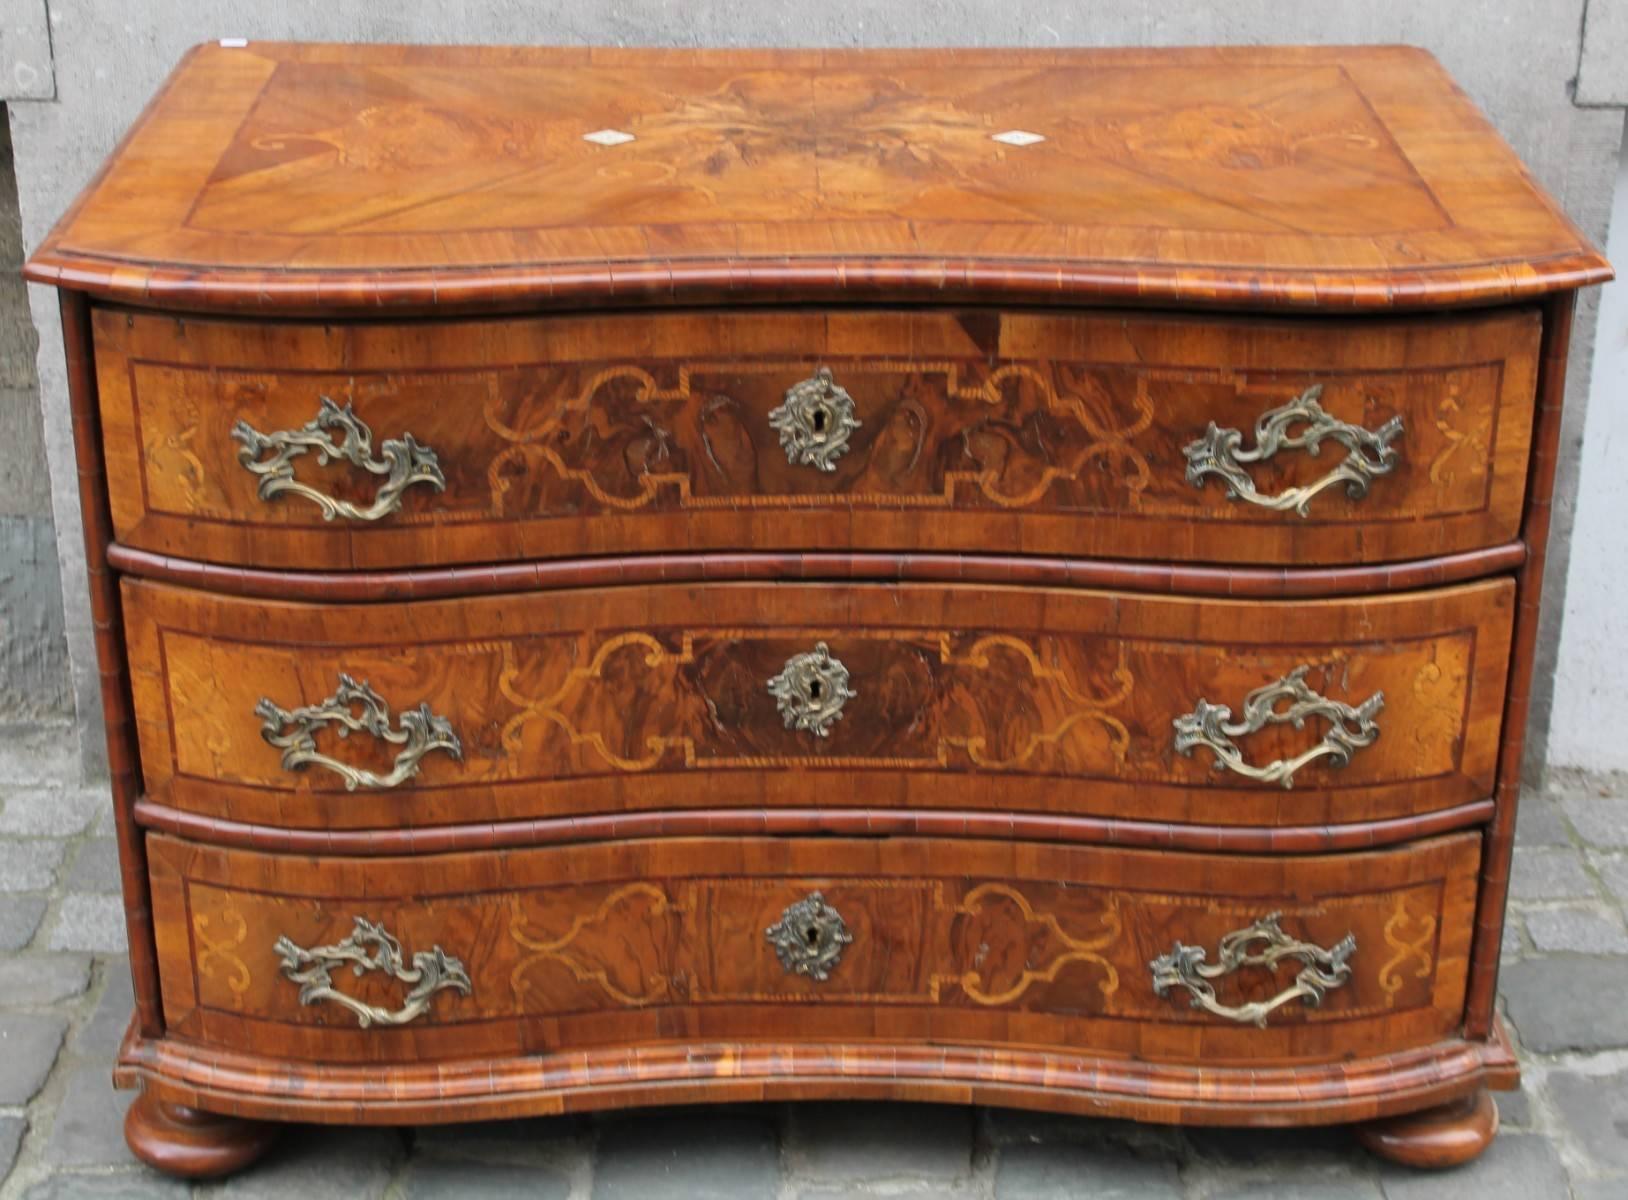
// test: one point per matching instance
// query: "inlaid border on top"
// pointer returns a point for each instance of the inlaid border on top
(1508, 239)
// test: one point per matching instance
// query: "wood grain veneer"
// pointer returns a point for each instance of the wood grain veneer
(591, 334)
(1042, 433)
(863, 822)
(620, 699)
(174, 1071)
(1162, 578)
(118, 717)
(347, 178)
(955, 942)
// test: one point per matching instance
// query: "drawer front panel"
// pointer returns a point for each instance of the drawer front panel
(960, 941)
(1017, 699)
(1058, 434)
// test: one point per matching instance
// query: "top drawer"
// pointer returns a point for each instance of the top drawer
(411, 444)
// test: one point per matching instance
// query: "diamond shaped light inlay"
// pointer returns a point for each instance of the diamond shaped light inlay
(607, 137)
(1018, 137)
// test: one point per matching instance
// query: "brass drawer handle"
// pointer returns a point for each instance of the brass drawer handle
(405, 462)
(1209, 725)
(811, 690)
(294, 733)
(1220, 452)
(1185, 967)
(815, 421)
(809, 937)
(371, 948)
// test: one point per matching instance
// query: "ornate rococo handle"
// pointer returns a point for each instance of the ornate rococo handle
(356, 708)
(809, 937)
(1263, 944)
(370, 948)
(815, 421)
(271, 456)
(1210, 725)
(811, 690)
(1220, 452)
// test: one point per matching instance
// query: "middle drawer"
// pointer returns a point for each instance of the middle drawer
(519, 706)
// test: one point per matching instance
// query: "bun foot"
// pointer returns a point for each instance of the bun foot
(1437, 1137)
(186, 1141)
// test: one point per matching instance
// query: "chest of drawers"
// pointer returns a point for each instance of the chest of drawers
(634, 577)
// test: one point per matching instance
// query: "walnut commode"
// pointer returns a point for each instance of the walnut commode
(631, 576)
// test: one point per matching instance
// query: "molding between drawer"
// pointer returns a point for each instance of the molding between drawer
(1157, 578)
(862, 822)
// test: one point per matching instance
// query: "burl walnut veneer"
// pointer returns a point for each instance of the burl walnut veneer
(639, 577)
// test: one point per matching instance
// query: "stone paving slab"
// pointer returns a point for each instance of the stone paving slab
(1060, 1171)
(1576, 931)
(432, 1179)
(29, 866)
(1517, 1166)
(1613, 871)
(95, 868)
(89, 1126)
(20, 918)
(873, 1143)
(1596, 1106)
(356, 1164)
(1600, 821)
(1551, 873)
(716, 1154)
(11, 1140)
(1567, 1002)
(28, 1046)
(50, 812)
(41, 980)
(65, 1001)
(89, 921)
(79, 1185)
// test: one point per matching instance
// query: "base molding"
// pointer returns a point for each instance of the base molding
(189, 1074)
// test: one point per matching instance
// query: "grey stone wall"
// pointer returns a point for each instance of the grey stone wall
(33, 648)
(1518, 59)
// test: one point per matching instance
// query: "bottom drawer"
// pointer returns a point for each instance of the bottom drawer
(948, 941)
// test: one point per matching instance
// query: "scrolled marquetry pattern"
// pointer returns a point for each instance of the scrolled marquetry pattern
(564, 698)
(977, 941)
(1060, 444)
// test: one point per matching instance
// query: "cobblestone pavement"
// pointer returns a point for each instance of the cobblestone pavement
(65, 998)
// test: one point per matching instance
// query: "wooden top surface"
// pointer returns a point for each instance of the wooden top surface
(331, 177)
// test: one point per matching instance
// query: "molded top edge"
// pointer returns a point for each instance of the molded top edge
(283, 177)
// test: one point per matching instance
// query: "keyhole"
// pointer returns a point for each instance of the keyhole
(819, 420)
(814, 689)
(811, 935)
